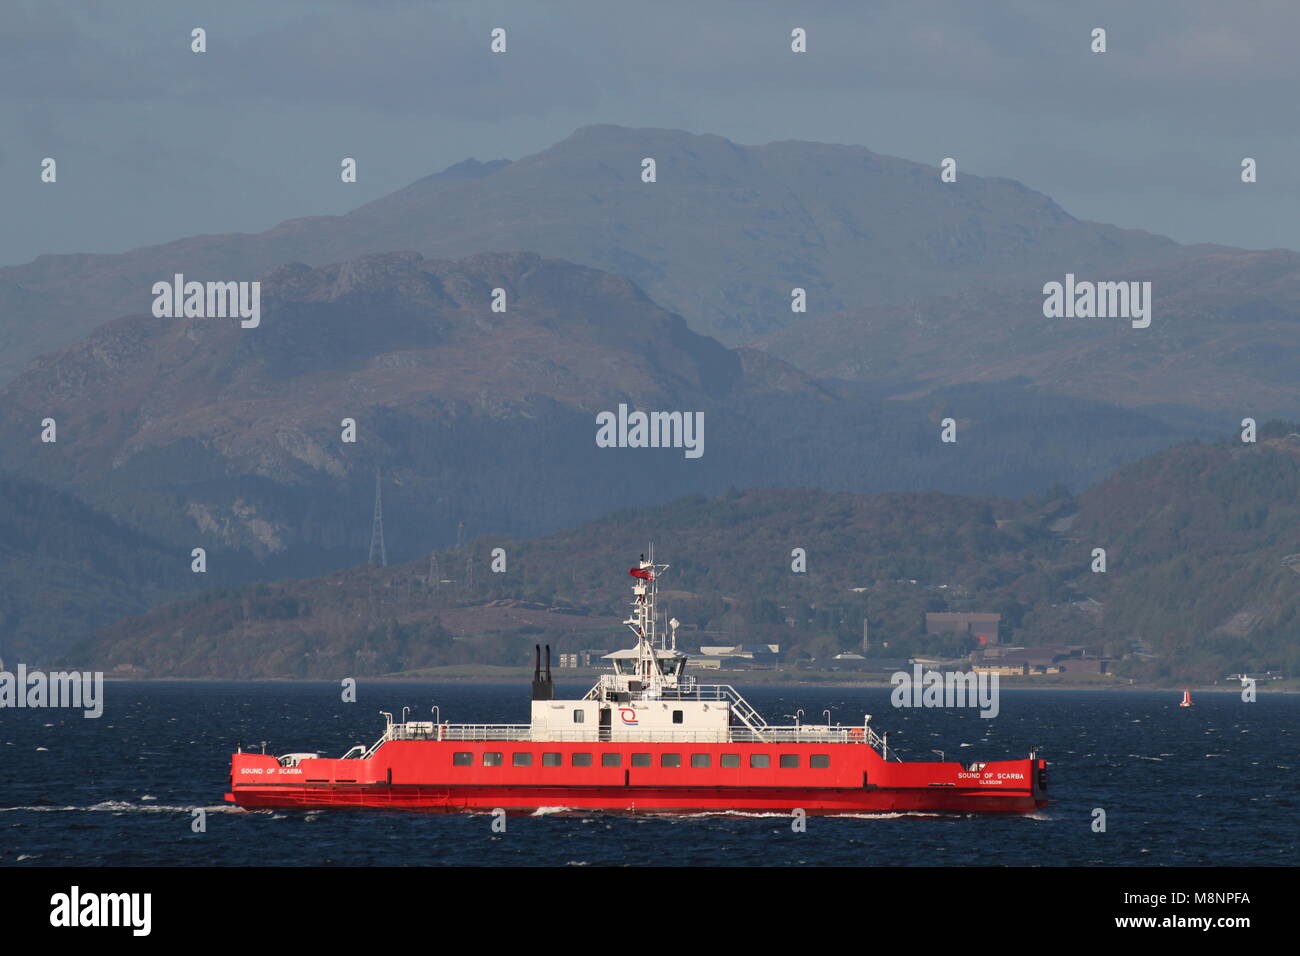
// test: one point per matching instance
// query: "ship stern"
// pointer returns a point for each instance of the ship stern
(1039, 777)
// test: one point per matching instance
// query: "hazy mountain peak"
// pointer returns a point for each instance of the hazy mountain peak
(472, 169)
(464, 171)
(722, 236)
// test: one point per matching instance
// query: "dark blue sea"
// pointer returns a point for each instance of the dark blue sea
(1214, 784)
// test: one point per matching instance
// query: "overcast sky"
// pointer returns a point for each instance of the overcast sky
(154, 142)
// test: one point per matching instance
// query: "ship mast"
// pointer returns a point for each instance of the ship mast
(643, 620)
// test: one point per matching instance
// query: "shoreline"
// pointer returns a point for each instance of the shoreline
(738, 677)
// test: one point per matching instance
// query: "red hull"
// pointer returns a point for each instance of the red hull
(640, 799)
(845, 778)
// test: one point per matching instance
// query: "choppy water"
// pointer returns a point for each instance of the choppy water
(1211, 785)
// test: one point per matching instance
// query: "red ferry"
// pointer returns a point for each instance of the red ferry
(646, 737)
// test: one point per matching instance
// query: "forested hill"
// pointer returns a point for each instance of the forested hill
(66, 569)
(1194, 537)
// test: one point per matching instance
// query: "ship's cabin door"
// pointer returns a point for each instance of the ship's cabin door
(606, 713)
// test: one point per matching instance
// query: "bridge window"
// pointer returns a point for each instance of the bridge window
(579, 717)
(551, 760)
(670, 760)
(789, 760)
(729, 760)
(701, 760)
(640, 760)
(760, 760)
(521, 760)
(819, 760)
(611, 760)
(491, 759)
(581, 760)
(677, 716)
(462, 760)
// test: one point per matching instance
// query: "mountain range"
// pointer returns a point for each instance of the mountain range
(924, 304)
(1194, 580)
(1222, 342)
(720, 238)
(201, 433)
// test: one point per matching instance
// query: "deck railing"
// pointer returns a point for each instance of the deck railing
(686, 689)
(788, 734)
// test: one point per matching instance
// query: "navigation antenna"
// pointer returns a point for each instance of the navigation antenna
(378, 555)
(643, 620)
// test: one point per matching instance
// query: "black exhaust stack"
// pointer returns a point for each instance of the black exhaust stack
(543, 689)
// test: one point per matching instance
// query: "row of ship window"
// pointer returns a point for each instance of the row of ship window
(525, 759)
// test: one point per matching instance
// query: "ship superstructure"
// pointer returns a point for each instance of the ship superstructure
(646, 737)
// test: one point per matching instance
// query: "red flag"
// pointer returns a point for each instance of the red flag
(641, 573)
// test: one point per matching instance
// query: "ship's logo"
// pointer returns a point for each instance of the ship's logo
(627, 715)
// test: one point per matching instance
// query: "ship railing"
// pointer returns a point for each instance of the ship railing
(880, 744)
(429, 731)
(700, 692)
(795, 734)
(686, 689)
(813, 733)
(768, 734)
